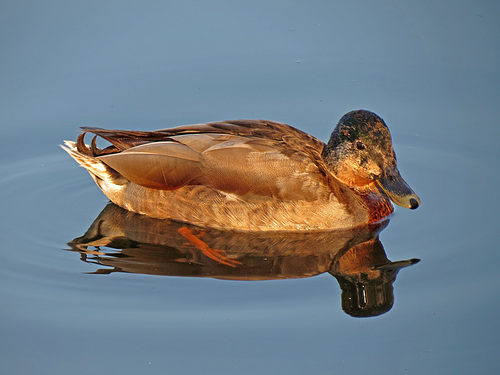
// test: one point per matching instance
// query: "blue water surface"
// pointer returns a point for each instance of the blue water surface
(430, 69)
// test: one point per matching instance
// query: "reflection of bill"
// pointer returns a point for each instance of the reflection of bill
(127, 242)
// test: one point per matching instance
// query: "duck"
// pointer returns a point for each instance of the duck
(251, 175)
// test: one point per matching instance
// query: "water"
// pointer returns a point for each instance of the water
(430, 70)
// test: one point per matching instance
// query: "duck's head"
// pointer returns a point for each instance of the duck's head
(360, 153)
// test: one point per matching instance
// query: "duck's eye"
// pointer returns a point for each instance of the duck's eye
(360, 145)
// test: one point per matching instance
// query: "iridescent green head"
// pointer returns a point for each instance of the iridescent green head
(360, 152)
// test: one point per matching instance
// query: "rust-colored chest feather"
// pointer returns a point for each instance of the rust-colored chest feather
(377, 206)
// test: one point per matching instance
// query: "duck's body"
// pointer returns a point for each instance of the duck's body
(242, 174)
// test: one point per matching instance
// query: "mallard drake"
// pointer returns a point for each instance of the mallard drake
(251, 174)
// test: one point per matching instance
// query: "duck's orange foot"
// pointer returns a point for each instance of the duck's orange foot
(217, 255)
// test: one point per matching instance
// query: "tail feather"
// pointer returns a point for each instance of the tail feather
(121, 139)
(99, 171)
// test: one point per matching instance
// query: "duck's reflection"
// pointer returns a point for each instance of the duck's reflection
(127, 242)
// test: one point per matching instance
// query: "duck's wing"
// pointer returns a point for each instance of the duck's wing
(262, 129)
(249, 159)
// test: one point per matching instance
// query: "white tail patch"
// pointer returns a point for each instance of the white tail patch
(93, 165)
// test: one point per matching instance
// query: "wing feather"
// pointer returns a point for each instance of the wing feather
(254, 159)
(160, 165)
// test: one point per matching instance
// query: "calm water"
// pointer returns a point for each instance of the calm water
(149, 303)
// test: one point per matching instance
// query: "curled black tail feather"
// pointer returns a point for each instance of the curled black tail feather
(120, 140)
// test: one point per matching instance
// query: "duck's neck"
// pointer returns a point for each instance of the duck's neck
(330, 154)
(378, 204)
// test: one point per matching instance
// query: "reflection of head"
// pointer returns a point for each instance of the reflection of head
(365, 276)
(365, 298)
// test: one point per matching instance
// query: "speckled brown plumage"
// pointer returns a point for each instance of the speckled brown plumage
(247, 174)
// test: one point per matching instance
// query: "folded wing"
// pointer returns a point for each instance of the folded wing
(251, 159)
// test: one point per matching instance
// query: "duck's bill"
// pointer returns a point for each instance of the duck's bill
(398, 190)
